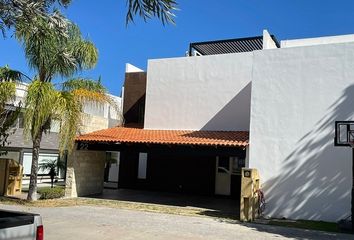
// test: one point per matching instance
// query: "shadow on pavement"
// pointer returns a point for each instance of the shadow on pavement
(297, 233)
(209, 205)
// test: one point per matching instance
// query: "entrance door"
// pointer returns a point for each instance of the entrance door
(111, 172)
(223, 176)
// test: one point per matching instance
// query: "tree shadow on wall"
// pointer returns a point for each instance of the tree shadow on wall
(316, 180)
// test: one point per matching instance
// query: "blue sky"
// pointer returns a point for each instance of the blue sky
(198, 20)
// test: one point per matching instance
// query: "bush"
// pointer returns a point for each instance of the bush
(51, 193)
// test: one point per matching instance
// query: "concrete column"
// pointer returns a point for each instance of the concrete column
(85, 172)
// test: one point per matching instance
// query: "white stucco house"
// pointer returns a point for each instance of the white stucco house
(286, 94)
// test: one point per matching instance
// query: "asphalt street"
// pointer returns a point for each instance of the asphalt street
(87, 222)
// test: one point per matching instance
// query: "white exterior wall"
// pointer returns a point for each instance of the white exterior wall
(317, 41)
(199, 93)
(297, 95)
(129, 68)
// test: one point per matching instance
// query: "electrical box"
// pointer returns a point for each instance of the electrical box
(249, 202)
(10, 177)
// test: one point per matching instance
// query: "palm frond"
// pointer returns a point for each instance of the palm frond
(48, 164)
(7, 92)
(9, 75)
(49, 3)
(83, 51)
(39, 106)
(84, 95)
(83, 83)
(14, 11)
(88, 90)
(162, 9)
(8, 80)
(69, 110)
(51, 54)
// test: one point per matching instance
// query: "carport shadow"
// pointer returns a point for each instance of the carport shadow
(208, 205)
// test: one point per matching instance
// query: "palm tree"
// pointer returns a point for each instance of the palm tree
(12, 11)
(52, 166)
(51, 54)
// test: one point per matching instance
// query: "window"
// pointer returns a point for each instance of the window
(223, 164)
(21, 120)
(142, 166)
(237, 164)
(27, 162)
(10, 155)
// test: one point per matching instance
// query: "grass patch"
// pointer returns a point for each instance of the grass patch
(51, 193)
(307, 224)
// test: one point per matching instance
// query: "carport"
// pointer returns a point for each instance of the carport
(204, 163)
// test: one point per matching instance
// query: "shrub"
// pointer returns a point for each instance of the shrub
(51, 193)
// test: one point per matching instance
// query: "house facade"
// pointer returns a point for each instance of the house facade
(252, 102)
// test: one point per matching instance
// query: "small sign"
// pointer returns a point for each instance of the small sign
(247, 173)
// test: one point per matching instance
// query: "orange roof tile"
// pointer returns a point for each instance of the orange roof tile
(180, 137)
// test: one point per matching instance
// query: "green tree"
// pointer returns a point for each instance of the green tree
(54, 47)
(51, 54)
(8, 110)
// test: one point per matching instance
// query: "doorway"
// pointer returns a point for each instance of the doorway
(223, 176)
(228, 175)
(111, 171)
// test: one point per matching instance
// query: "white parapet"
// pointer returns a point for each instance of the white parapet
(317, 41)
(129, 68)
(268, 41)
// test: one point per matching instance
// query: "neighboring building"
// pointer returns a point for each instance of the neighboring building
(250, 102)
(95, 117)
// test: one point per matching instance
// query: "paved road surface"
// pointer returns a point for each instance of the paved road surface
(106, 223)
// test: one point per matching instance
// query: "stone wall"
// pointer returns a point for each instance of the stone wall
(85, 171)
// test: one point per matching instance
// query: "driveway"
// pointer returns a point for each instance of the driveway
(209, 205)
(87, 223)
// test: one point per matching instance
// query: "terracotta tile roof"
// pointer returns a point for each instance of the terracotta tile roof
(180, 137)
